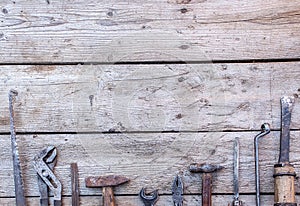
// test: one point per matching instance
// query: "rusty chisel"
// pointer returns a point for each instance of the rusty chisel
(74, 183)
(19, 185)
(284, 172)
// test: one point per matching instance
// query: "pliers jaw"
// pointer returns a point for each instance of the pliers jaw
(43, 164)
(177, 191)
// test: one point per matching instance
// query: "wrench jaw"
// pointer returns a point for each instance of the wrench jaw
(150, 199)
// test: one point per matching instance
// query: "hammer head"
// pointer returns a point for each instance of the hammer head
(204, 168)
(105, 181)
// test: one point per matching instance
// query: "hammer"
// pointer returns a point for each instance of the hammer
(206, 169)
(107, 183)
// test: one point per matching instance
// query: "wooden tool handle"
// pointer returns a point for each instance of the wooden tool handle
(284, 185)
(206, 189)
(108, 196)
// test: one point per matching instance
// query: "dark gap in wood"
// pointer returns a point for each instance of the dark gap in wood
(139, 132)
(157, 62)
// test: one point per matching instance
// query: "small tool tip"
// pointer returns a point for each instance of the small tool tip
(265, 127)
(287, 100)
(13, 92)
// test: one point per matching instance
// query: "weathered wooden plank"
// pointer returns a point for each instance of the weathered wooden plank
(149, 160)
(114, 31)
(189, 97)
(222, 200)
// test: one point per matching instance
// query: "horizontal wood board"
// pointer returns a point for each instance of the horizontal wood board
(65, 31)
(149, 160)
(222, 200)
(139, 98)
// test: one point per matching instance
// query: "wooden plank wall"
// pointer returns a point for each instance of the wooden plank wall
(143, 89)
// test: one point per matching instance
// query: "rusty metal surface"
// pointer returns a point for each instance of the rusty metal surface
(206, 189)
(43, 164)
(105, 181)
(149, 199)
(204, 168)
(74, 183)
(18, 180)
(287, 104)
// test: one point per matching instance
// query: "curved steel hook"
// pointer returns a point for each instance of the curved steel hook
(265, 129)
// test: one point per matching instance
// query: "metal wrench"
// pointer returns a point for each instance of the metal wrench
(177, 191)
(149, 200)
(43, 164)
(265, 129)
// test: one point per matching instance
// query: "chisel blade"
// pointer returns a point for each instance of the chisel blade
(74, 183)
(287, 104)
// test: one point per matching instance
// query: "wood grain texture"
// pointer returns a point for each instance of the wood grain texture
(193, 97)
(220, 200)
(149, 160)
(171, 30)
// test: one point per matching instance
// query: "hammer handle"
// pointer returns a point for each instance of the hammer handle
(284, 185)
(108, 196)
(206, 189)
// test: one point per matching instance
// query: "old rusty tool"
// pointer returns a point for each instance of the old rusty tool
(19, 185)
(236, 159)
(43, 164)
(207, 170)
(265, 129)
(74, 183)
(107, 183)
(177, 191)
(284, 172)
(150, 199)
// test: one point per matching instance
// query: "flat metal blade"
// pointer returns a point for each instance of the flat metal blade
(19, 185)
(236, 157)
(287, 104)
(74, 183)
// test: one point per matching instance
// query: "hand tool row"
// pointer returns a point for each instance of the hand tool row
(44, 162)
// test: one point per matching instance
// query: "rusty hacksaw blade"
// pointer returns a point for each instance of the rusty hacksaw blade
(19, 185)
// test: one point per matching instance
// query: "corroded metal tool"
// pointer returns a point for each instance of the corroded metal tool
(265, 129)
(207, 170)
(43, 164)
(74, 183)
(19, 185)
(236, 157)
(149, 199)
(284, 172)
(177, 191)
(107, 183)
